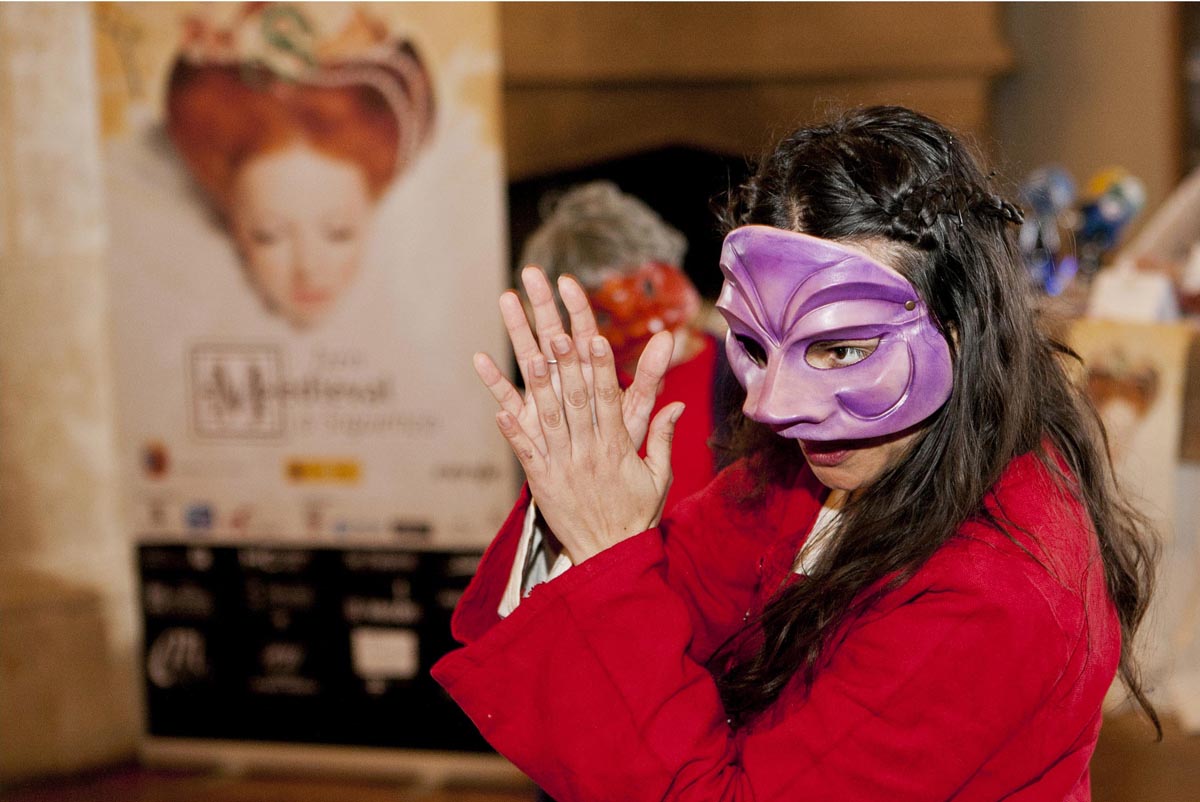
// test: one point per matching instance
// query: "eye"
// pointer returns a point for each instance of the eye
(754, 350)
(603, 318)
(648, 288)
(828, 354)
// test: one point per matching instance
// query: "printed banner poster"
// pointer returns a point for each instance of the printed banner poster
(305, 204)
(1134, 374)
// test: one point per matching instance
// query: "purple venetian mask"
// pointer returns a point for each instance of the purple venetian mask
(785, 296)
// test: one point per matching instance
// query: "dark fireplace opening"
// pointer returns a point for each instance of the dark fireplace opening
(685, 185)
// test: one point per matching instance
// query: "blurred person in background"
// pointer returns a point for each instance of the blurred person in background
(629, 262)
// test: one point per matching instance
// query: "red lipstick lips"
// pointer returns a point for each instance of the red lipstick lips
(825, 455)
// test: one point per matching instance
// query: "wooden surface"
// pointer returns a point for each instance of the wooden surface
(560, 43)
(1128, 767)
(133, 784)
(558, 128)
(587, 82)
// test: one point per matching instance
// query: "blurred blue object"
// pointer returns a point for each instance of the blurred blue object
(1048, 195)
(1114, 199)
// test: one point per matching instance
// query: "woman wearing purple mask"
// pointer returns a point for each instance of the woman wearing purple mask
(918, 581)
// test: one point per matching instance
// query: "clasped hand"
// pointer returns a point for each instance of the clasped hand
(575, 431)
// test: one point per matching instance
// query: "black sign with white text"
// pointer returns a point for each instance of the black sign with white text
(302, 645)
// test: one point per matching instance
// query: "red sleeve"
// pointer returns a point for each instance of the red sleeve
(478, 609)
(714, 551)
(589, 689)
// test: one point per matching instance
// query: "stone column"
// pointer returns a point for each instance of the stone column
(68, 693)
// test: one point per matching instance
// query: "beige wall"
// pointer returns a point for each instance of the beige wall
(68, 654)
(1094, 85)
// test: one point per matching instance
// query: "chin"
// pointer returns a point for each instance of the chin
(838, 478)
(851, 469)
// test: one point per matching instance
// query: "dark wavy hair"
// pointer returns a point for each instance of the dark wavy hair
(889, 175)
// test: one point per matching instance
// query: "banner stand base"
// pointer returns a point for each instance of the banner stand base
(417, 767)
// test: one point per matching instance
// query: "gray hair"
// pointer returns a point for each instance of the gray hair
(594, 229)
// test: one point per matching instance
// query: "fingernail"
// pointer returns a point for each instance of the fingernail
(561, 344)
(539, 366)
(678, 412)
(597, 346)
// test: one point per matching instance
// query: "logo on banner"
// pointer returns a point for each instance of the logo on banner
(344, 471)
(177, 657)
(198, 516)
(235, 391)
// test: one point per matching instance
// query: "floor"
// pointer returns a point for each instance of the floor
(131, 784)
(1128, 767)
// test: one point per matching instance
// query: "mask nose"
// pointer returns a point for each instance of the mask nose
(780, 400)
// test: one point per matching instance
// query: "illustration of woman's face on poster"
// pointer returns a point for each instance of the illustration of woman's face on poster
(295, 154)
(300, 218)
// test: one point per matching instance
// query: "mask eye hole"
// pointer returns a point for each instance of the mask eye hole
(754, 350)
(829, 354)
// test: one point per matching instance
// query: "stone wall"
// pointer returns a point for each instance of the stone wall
(68, 697)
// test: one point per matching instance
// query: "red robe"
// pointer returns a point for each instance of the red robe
(981, 678)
